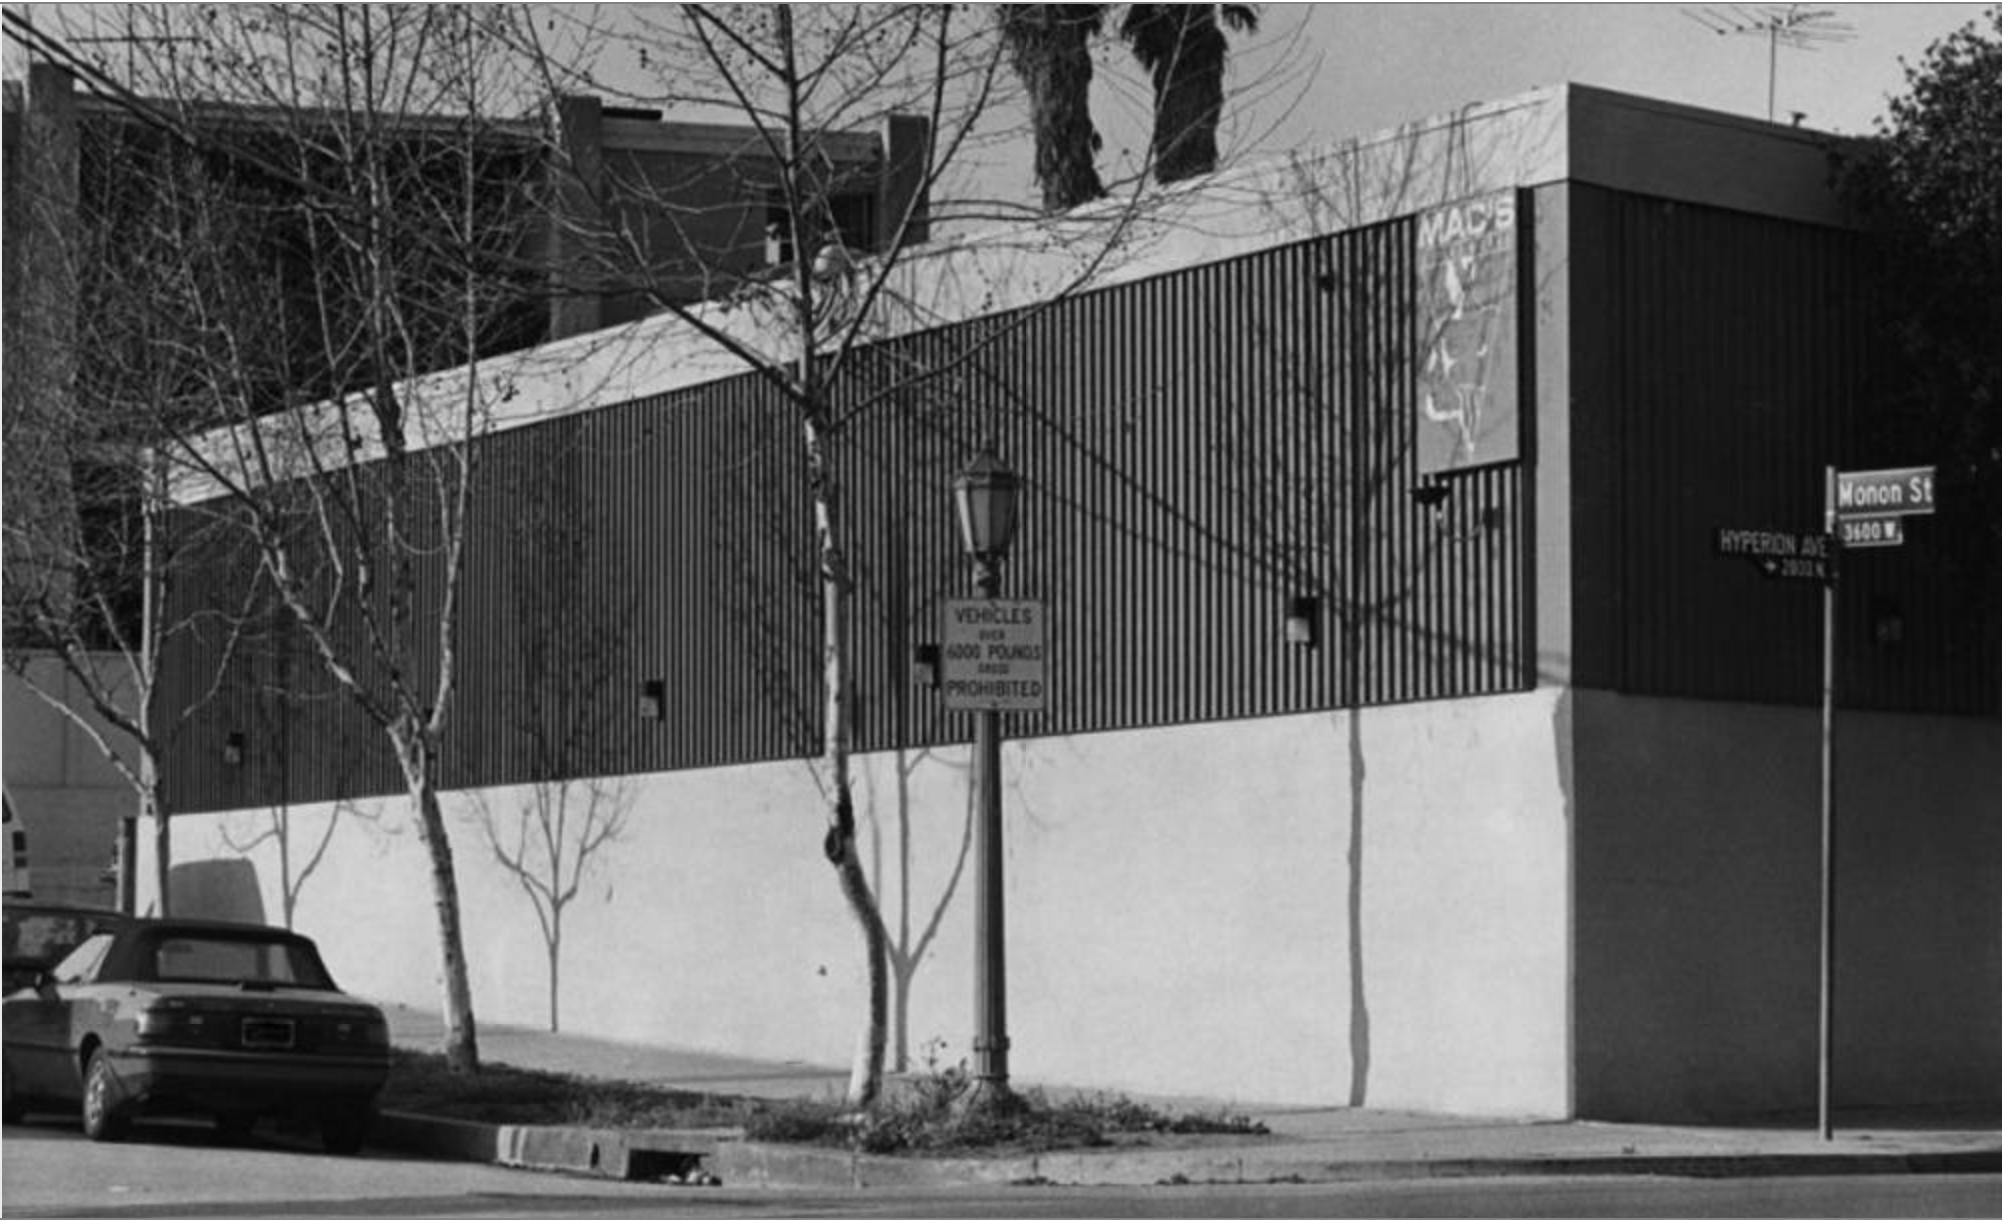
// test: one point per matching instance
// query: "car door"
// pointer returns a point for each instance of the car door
(40, 1023)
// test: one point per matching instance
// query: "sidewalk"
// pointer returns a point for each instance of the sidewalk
(1309, 1145)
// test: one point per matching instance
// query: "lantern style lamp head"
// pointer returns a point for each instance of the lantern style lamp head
(986, 494)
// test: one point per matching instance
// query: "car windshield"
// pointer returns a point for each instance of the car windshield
(208, 958)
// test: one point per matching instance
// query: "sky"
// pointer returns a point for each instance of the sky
(1316, 73)
(1376, 65)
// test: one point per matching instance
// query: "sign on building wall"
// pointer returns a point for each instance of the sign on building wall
(1468, 414)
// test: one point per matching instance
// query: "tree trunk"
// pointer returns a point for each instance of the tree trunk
(163, 854)
(900, 1027)
(1188, 99)
(866, 1082)
(1050, 47)
(461, 1047)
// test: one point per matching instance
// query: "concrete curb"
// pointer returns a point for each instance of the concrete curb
(701, 1156)
(628, 1155)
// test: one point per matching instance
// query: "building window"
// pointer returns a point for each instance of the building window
(850, 219)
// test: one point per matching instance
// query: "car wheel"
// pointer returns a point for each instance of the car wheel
(13, 1102)
(103, 1114)
(343, 1132)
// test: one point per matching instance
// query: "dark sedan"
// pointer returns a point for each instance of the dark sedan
(234, 1021)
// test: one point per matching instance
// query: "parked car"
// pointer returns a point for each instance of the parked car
(40, 934)
(175, 1016)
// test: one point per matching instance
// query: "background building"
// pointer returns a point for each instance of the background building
(80, 169)
(1409, 744)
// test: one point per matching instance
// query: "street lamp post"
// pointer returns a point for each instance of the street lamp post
(986, 496)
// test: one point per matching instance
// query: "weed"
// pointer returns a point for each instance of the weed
(422, 1083)
(928, 1114)
(923, 1115)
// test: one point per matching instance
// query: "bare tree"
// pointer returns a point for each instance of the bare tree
(92, 549)
(361, 161)
(797, 76)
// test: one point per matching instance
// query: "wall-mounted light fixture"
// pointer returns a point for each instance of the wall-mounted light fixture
(232, 750)
(1433, 494)
(1887, 621)
(1303, 621)
(925, 665)
(653, 699)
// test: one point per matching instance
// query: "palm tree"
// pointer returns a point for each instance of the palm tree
(1183, 47)
(1050, 48)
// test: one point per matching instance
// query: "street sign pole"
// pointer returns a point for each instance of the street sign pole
(1828, 811)
(1859, 508)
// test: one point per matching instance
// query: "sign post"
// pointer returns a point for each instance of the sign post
(1860, 508)
(1827, 1022)
(991, 661)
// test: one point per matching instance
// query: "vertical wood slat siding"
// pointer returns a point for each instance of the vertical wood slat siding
(1726, 359)
(1199, 449)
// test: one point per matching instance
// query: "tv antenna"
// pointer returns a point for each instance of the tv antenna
(1795, 25)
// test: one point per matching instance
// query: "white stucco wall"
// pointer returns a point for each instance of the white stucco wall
(1178, 905)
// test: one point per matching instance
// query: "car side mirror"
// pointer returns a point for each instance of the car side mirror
(44, 982)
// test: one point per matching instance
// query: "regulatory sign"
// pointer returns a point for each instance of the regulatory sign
(1884, 493)
(1872, 531)
(1783, 554)
(992, 656)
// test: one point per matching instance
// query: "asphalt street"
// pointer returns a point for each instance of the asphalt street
(49, 1170)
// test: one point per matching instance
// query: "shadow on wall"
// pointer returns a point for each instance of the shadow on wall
(217, 889)
(1358, 997)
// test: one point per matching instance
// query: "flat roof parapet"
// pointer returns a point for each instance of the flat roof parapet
(1562, 133)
